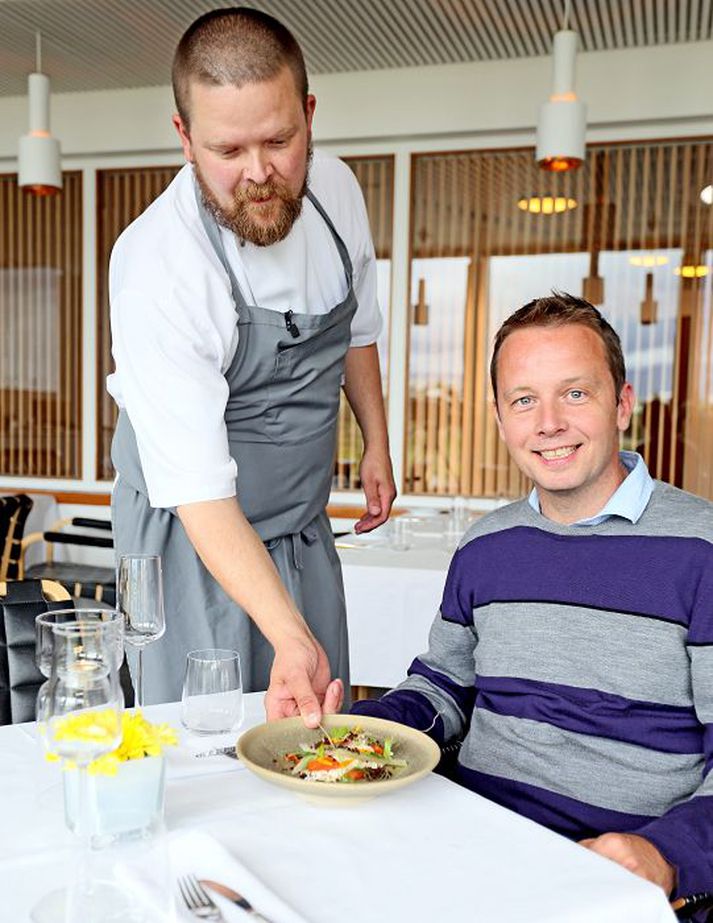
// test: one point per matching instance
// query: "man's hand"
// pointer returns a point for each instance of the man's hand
(377, 479)
(300, 684)
(636, 854)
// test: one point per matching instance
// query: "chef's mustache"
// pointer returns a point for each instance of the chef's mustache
(254, 192)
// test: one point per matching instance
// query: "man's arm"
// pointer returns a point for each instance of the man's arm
(362, 386)
(234, 554)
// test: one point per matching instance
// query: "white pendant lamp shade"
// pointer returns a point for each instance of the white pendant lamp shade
(40, 171)
(563, 118)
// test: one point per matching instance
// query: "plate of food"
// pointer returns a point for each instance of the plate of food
(349, 759)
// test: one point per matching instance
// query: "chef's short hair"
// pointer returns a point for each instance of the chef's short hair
(557, 310)
(234, 46)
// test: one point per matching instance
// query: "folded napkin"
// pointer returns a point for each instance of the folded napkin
(200, 855)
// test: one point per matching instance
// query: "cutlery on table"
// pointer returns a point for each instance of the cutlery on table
(235, 897)
(197, 899)
(220, 751)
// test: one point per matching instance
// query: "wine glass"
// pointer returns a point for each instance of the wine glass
(80, 720)
(140, 600)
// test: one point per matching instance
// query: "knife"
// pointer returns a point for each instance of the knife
(233, 896)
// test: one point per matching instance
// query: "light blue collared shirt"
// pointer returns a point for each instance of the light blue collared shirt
(628, 500)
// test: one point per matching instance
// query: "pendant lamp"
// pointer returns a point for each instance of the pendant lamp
(40, 171)
(563, 118)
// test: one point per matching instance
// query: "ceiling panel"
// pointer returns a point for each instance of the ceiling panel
(104, 44)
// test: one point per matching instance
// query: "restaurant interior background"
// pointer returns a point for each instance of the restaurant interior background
(433, 104)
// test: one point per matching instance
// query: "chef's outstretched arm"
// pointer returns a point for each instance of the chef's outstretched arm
(362, 386)
(234, 554)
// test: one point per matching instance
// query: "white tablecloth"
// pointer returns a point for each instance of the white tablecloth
(433, 851)
(392, 598)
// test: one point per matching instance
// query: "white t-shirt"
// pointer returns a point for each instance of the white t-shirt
(173, 320)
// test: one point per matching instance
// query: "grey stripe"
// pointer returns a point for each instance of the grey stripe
(670, 513)
(608, 774)
(620, 654)
(702, 675)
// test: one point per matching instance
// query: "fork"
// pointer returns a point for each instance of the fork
(196, 899)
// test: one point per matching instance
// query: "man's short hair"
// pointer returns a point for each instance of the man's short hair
(232, 47)
(557, 310)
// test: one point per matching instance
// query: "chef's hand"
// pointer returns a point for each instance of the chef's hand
(636, 854)
(300, 683)
(377, 479)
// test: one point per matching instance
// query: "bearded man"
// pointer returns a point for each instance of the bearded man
(241, 299)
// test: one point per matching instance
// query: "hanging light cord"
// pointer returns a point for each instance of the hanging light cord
(38, 51)
(565, 15)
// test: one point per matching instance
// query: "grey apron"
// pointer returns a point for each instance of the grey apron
(281, 418)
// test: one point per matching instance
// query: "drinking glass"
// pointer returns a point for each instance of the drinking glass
(80, 720)
(140, 600)
(212, 700)
(402, 533)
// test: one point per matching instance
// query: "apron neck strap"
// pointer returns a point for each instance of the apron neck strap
(341, 246)
(216, 239)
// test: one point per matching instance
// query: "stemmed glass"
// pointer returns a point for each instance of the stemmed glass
(80, 720)
(140, 600)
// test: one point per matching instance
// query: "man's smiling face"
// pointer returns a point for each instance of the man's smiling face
(560, 418)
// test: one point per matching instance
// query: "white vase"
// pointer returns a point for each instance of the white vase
(124, 806)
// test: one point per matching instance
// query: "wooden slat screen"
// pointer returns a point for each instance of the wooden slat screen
(41, 330)
(376, 178)
(121, 197)
(123, 194)
(477, 256)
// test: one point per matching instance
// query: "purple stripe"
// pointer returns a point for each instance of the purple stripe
(406, 707)
(653, 576)
(463, 696)
(684, 835)
(669, 728)
(572, 818)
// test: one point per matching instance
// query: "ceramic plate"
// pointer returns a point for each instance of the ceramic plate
(262, 750)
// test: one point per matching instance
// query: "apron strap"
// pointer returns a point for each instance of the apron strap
(341, 246)
(216, 239)
(308, 535)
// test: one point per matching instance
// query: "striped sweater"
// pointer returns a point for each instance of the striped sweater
(578, 663)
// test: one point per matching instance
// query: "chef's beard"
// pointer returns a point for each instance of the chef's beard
(239, 217)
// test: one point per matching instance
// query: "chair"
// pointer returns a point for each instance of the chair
(14, 510)
(20, 602)
(88, 581)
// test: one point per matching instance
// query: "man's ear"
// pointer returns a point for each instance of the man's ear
(625, 407)
(182, 130)
(496, 415)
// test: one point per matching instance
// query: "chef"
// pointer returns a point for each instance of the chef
(241, 300)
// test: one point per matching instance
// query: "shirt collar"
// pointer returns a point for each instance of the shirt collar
(629, 500)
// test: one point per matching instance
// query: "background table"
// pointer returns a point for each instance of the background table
(433, 851)
(392, 598)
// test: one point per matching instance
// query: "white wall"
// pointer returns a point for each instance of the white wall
(621, 88)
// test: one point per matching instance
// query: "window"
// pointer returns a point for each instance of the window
(121, 197)
(41, 323)
(628, 231)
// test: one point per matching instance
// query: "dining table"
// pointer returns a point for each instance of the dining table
(427, 852)
(392, 596)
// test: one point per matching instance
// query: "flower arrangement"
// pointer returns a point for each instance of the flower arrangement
(139, 738)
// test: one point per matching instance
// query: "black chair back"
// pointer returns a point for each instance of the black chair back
(19, 677)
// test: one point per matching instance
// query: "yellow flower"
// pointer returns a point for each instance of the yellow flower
(139, 738)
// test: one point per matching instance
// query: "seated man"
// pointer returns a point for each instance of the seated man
(574, 646)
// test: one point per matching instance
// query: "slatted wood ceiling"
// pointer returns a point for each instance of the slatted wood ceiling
(104, 44)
